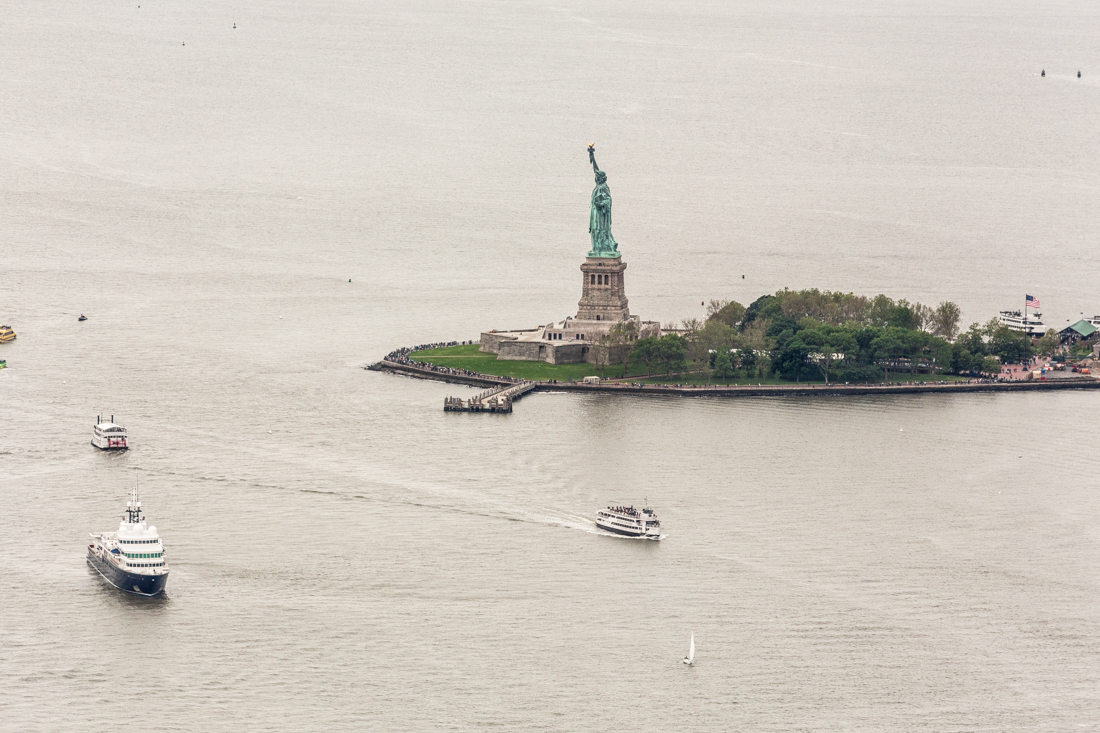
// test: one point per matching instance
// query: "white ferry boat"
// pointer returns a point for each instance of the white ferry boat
(108, 436)
(131, 559)
(626, 520)
(1029, 323)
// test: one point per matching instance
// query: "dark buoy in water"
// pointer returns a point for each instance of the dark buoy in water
(1044, 73)
(349, 279)
(1078, 73)
(234, 25)
(742, 277)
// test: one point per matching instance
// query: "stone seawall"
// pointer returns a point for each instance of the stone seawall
(821, 390)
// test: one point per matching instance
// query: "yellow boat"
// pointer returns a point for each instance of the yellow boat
(6, 334)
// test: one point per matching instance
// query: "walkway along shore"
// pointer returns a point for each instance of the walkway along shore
(767, 390)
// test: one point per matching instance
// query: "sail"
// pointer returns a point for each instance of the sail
(691, 649)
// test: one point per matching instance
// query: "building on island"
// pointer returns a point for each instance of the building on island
(1080, 331)
(603, 313)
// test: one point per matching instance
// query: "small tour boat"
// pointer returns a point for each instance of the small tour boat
(108, 436)
(690, 658)
(6, 334)
(628, 521)
(131, 559)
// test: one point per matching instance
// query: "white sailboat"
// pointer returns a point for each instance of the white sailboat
(690, 658)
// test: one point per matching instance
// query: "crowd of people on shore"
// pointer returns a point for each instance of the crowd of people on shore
(401, 356)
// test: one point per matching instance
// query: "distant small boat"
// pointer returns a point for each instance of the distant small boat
(82, 317)
(6, 334)
(109, 436)
(690, 658)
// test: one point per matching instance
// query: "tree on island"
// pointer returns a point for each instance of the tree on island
(790, 352)
(746, 359)
(729, 312)
(723, 366)
(945, 320)
(614, 347)
(1049, 344)
(831, 344)
(672, 351)
(644, 354)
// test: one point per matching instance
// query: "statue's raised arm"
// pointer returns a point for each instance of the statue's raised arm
(592, 157)
(599, 214)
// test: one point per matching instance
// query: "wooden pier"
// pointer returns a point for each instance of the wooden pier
(495, 399)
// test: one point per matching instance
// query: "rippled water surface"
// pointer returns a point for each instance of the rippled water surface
(249, 215)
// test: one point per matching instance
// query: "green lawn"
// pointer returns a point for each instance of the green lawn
(470, 357)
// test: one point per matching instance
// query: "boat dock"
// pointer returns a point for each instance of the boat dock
(495, 399)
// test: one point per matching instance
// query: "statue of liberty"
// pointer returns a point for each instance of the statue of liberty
(599, 215)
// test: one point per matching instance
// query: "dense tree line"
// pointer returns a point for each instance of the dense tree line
(834, 336)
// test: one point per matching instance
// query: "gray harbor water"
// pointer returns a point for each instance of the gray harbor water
(346, 556)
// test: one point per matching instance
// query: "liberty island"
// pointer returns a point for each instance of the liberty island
(778, 344)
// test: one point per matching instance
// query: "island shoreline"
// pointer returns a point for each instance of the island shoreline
(767, 390)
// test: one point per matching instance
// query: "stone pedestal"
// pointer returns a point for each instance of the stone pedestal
(603, 297)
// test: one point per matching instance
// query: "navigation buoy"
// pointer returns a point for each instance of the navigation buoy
(1078, 73)
(742, 277)
(234, 25)
(349, 279)
(1044, 73)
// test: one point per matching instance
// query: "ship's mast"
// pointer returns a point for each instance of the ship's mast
(133, 508)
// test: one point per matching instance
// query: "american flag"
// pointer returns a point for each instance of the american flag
(1032, 301)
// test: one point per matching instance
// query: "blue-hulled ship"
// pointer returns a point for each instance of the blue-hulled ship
(131, 559)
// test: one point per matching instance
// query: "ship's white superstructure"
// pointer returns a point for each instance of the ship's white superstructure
(1029, 323)
(131, 559)
(109, 436)
(626, 520)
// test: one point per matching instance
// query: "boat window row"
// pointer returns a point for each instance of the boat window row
(144, 564)
(138, 542)
(143, 554)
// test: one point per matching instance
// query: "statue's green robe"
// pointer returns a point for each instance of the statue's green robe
(599, 222)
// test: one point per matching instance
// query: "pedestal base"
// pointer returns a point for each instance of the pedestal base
(603, 293)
